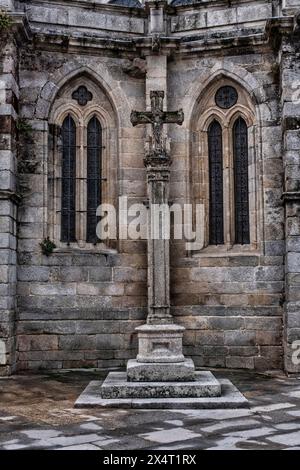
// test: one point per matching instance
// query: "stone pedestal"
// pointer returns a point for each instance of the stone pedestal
(160, 343)
(160, 357)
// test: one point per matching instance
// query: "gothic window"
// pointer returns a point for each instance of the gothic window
(82, 164)
(94, 154)
(215, 152)
(68, 180)
(81, 181)
(241, 185)
(224, 171)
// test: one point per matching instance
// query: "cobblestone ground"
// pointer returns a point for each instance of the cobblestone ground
(36, 412)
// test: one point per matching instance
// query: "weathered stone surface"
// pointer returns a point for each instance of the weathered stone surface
(160, 372)
(204, 384)
(232, 300)
(230, 398)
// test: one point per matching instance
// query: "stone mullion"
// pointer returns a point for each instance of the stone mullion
(81, 190)
(227, 188)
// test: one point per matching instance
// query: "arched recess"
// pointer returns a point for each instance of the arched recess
(204, 113)
(84, 99)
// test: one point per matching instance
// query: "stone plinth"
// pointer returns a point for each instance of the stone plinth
(116, 386)
(160, 356)
(160, 343)
(160, 371)
(230, 397)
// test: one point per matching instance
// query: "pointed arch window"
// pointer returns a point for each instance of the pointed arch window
(68, 181)
(241, 185)
(81, 178)
(94, 176)
(215, 151)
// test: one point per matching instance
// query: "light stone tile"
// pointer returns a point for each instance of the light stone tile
(41, 434)
(65, 441)
(91, 426)
(170, 435)
(232, 423)
(226, 443)
(215, 414)
(290, 439)
(274, 407)
(287, 426)
(293, 394)
(79, 447)
(105, 442)
(15, 446)
(259, 432)
(295, 413)
(175, 422)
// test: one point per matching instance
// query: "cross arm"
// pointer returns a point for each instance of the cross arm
(141, 117)
(174, 117)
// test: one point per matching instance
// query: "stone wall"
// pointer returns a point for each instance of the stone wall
(79, 307)
(290, 96)
(9, 94)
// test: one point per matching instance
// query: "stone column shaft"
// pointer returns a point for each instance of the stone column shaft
(158, 245)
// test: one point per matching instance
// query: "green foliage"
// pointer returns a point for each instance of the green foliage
(23, 127)
(47, 246)
(5, 21)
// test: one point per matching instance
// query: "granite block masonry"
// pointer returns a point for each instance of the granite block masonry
(80, 305)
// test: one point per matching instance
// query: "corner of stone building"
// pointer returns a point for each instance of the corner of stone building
(290, 101)
(9, 91)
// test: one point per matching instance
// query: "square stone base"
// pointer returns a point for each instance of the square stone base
(92, 397)
(160, 372)
(116, 386)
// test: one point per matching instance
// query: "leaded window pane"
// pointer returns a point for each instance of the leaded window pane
(241, 185)
(216, 217)
(94, 176)
(68, 181)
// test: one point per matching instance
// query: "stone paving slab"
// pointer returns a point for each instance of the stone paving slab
(37, 412)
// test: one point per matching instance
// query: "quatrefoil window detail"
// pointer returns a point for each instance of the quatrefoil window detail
(82, 95)
(226, 97)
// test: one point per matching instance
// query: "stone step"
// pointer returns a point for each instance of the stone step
(230, 398)
(204, 384)
(161, 372)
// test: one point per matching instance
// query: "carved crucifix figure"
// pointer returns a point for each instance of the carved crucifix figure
(157, 117)
(158, 162)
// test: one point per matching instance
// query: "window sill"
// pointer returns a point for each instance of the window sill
(73, 248)
(226, 251)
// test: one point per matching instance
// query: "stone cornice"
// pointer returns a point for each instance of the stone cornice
(21, 27)
(93, 5)
(266, 32)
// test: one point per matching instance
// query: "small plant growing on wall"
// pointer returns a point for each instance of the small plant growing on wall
(47, 246)
(5, 21)
(24, 127)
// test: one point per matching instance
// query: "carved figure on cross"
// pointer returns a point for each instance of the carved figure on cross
(157, 117)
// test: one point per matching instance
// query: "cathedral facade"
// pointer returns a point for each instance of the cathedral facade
(71, 74)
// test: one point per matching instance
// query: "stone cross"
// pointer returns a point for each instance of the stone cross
(158, 164)
(157, 117)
